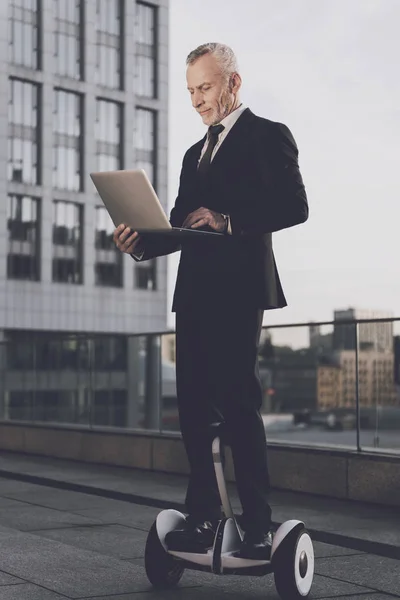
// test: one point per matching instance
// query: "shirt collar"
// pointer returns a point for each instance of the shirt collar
(229, 121)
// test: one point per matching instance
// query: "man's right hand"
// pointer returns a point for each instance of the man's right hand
(126, 240)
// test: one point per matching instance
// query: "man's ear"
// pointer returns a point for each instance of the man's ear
(235, 82)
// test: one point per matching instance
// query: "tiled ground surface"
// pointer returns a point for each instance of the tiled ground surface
(57, 543)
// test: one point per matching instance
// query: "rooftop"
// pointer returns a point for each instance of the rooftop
(73, 530)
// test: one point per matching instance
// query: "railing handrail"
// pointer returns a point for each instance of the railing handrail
(153, 375)
(93, 335)
(334, 322)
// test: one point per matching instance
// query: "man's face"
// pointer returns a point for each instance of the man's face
(209, 90)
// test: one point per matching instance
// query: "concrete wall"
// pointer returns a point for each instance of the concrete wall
(336, 474)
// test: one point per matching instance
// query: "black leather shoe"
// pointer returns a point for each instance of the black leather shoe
(192, 537)
(256, 546)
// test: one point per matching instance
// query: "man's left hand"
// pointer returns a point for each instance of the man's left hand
(203, 216)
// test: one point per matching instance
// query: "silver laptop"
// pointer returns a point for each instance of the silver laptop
(130, 198)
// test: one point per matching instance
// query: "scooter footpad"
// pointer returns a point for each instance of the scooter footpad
(203, 559)
(234, 560)
(187, 548)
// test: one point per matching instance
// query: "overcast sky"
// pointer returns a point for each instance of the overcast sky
(329, 70)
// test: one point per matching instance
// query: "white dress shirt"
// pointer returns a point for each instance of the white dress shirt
(228, 122)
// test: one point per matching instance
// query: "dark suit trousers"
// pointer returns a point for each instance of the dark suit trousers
(217, 379)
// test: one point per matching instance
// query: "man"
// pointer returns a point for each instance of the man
(241, 180)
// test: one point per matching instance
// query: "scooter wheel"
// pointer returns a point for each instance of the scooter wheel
(162, 570)
(293, 565)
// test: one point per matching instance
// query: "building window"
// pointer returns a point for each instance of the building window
(109, 43)
(108, 265)
(68, 38)
(108, 135)
(23, 132)
(144, 141)
(24, 33)
(23, 237)
(110, 353)
(110, 408)
(146, 275)
(67, 127)
(145, 153)
(146, 50)
(67, 242)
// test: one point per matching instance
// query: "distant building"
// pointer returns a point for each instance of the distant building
(318, 340)
(372, 336)
(323, 376)
(376, 383)
(293, 379)
(329, 387)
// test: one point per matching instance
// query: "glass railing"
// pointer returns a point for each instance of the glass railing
(332, 384)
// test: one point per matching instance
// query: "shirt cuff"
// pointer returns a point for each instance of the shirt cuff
(229, 228)
(138, 256)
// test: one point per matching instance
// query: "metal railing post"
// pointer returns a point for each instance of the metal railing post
(3, 370)
(134, 381)
(91, 396)
(153, 375)
(357, 344)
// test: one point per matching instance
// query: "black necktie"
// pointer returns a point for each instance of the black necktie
(213, 133)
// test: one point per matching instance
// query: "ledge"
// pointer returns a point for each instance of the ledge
(334, 473)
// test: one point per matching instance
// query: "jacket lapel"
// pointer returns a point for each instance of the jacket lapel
(231, 146)
(235, 142)
(195, 155)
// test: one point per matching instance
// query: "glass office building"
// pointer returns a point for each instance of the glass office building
(83, 87)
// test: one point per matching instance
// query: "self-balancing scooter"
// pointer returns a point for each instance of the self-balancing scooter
(292, 553)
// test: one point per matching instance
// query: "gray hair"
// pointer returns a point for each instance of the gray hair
(224, 55)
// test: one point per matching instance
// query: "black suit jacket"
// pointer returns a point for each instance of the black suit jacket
(255, 178)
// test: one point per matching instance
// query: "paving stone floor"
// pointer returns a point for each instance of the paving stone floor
(60, 543)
